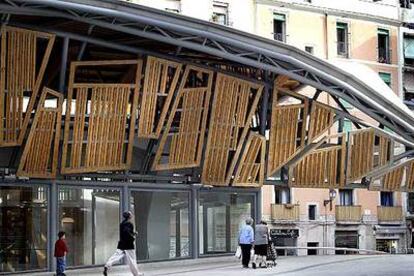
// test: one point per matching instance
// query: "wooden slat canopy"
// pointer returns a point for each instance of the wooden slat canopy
(21, 75)
(160, 81)
(102, 128)
(40, 154)
(250, 171)
(191, 105)
(234, 104)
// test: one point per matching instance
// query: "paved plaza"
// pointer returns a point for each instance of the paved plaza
(392, 265)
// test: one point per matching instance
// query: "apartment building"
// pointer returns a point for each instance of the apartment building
(350, 34)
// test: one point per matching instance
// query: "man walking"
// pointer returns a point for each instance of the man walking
(126, 248)
(246, 240)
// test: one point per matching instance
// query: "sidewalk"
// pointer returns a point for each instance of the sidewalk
(400, 265)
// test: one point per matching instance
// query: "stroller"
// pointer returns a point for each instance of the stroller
(271, 254)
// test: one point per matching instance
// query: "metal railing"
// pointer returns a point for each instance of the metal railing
(389, 213)
(348, 213)
(326, 250)
(384, 55)
(285, 212)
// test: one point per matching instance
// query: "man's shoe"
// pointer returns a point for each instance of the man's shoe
(105, 272)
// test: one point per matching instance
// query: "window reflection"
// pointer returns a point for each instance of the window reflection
(23, 228)
(220, 217)
(90, 218)
(162, 222)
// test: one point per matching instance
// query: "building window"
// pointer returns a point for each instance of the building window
(347, 126)
(346, 104)
(309, 49)
(342, 39)
(220, 13)
(410, 205)
(384, 52)
(88, 215)
(387, 199)
(346, 197)
(221, 215)
(279, 27)
(312, 212)
(23, 228)
(162, 222)
(386, 77)
(282, 196)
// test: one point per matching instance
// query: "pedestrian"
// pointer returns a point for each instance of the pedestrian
(125, 248)
(246, 240)
(261, 239)
(60, 254)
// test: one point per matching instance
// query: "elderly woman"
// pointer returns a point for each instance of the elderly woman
(261, 240)
(246, 240)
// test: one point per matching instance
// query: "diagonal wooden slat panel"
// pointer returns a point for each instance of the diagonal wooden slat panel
(361, 154)
(190, 108)
(392, 180)
(100, 130)
(160, 81)
(234, 104)
(410, 177)
(40, 154)
(20, 75)
(321, 168)
(321, 119)
(250, 172)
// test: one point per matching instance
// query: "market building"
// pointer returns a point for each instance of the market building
(107, 106)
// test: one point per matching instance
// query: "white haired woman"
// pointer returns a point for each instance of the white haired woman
(246, 240)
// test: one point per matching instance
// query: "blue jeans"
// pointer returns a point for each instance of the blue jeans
(60, 265)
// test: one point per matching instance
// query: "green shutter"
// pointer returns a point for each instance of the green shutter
(383, 32)
(386, 77)
(340, 25)
(279, 16)
(409, 48)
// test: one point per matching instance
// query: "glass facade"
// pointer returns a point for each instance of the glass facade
(23, 228)
(90, 218)
(220, 217)
(162, 223)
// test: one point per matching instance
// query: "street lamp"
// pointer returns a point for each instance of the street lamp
(332, 195)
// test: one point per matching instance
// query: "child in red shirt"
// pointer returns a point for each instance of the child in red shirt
(60, 253)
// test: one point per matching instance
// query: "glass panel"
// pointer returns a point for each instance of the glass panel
(409, 48)
(23, 228)
(345, 197)
(347, 126)
(410, 206)
(387, 199)
(89, 216)
(279, 16)
(162, 221)
(221, 216)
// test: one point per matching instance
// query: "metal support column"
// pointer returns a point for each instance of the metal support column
(63, 65)
(194, 221)
(52, 221)
(124, 199)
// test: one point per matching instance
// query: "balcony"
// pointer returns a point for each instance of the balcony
(285, 212)
(390, 214)
(348, 214)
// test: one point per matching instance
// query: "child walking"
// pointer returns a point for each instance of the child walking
(60, 254)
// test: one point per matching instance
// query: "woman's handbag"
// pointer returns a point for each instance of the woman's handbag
(238, 252)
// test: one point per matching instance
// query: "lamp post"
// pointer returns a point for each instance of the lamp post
(332, 195)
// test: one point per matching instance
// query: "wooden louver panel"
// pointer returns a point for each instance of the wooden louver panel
(191, 106)
(392, 180)
(410, 177)
(321, 119)
(322, 168)
(250, 171)
(19, 78)
(40, 154)
(99, 133)
(161, 77)
(234, 104)
(361, 154)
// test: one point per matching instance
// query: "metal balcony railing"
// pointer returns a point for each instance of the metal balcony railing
(384, 55)
(342, 48)
(285, 212)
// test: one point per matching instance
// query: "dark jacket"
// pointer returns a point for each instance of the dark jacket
(126, 236)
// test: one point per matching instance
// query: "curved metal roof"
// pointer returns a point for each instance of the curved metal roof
(215, 40)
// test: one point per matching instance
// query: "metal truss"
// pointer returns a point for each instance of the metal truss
(223, 42)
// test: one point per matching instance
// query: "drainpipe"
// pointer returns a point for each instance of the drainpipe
(325, 27)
